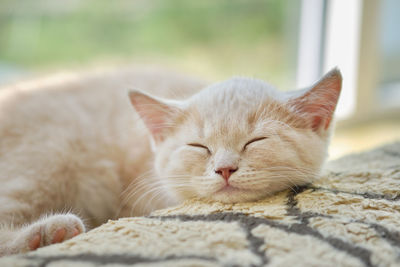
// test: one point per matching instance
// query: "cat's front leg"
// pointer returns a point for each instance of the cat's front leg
(46, 231)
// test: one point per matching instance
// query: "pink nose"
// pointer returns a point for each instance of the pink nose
(226, 172)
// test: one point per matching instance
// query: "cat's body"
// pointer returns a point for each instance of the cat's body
(73, 143)
(79, 146)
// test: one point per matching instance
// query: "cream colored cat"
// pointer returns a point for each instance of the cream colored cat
(76, 146)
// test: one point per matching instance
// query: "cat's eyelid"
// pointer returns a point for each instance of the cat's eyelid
(254, 140)
(199, 145)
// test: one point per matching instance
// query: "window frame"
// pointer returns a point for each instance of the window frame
(347, 38)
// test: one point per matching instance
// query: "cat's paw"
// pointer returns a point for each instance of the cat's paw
(47, 231)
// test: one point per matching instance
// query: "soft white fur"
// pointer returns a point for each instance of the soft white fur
(76, 145)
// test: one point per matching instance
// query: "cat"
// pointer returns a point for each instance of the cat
(84, 151)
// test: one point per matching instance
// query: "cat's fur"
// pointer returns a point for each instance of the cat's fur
(79, 146)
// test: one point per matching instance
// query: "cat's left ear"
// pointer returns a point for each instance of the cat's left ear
(156, 113)
(318, 104)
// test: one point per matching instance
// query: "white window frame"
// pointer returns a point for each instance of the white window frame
(343, 34)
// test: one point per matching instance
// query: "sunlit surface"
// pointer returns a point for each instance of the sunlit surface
(358, 138)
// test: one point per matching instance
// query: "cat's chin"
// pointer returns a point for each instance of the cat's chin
(229, 189)
(230, 194)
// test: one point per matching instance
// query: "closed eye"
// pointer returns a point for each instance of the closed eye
(254, 140)
(201, 146)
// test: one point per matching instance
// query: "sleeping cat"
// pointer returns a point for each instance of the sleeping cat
(82, 150)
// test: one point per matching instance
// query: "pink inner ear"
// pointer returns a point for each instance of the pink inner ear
(154, 113)
(155, 122)
(319, 103)
(320, 109)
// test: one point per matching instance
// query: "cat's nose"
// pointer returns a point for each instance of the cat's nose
(226, 172)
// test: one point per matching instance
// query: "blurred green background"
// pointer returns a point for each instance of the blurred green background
(212, 39)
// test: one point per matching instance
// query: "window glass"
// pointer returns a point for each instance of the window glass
(390, 53)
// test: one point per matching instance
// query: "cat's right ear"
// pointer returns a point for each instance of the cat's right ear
(318, 104)
(156, 113)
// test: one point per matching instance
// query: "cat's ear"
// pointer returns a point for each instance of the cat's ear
(156, 113)
(318, 104)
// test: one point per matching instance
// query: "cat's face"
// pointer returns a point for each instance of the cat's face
(240, 140)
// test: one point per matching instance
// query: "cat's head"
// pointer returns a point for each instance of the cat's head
(240, 140)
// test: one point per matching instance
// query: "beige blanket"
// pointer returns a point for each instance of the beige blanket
(350, 217)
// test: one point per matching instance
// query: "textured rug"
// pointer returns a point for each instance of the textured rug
(350, 217)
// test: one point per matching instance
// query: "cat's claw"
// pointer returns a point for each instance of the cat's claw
(51, 230)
